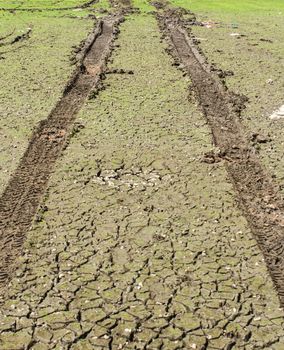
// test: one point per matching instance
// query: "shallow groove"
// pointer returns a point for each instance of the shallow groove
(257, 193)
(20, 200)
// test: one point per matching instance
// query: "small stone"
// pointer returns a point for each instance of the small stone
(278, 114)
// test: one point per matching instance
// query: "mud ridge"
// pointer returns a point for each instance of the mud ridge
(21, 198)
(258, 195)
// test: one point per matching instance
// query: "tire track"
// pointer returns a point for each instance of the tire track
(257, 193)
(22, 195)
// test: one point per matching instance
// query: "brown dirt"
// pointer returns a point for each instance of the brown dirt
(257, 193)
(22, 195)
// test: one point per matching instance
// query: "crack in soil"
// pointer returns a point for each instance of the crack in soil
(18, 38)
(4, 37)
(257, 193)
(20, 200)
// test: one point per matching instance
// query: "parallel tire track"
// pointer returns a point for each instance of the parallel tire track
(257, 193)
(21, 198)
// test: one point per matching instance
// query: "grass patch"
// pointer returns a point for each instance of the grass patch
(40, 4)
(143, 5)
(231, 5)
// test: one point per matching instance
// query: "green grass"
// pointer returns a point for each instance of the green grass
(231, 5)
(40, 3)
(102, 4)
(143, 5)
(52, 8)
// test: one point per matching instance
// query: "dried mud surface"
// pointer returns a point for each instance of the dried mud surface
(20, 200)
(256, 58)
(139, 244)
(31, 85)
(258, 194)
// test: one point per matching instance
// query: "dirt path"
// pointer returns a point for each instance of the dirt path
(258, 194)
(141, 245)
(20, 200)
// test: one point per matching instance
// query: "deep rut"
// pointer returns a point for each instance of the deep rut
(21, 197)
(257, 193)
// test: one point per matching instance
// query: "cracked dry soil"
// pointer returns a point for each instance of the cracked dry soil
(20, 200)
(140, 244)
(258, 194)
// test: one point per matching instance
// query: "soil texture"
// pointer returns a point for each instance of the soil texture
(19, 201)
(258, 194)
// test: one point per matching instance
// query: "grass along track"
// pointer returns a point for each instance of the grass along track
(257, 193)
(75, 7)
(20, 200)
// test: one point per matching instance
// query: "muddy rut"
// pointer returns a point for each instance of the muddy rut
(22, 195)
(256, 191)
